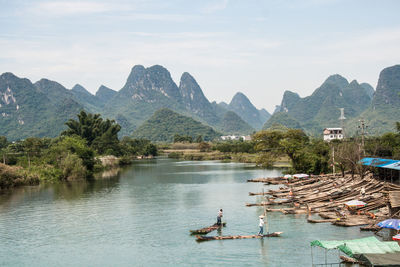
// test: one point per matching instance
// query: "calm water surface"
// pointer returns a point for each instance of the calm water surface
(143, 218)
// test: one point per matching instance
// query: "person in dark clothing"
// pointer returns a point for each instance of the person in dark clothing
(219, 217)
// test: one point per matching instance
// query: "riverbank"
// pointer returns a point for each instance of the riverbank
(106, 166)
(197, 154)
(327, 195)
(13, 176)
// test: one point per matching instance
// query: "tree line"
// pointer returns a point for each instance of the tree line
(313, 155)
(72, 155)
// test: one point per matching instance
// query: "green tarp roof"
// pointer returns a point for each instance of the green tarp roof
(359, 246)
(332, 244)
(369, 247)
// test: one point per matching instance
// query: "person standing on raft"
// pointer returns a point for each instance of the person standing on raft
(219, 217)
(261, 224)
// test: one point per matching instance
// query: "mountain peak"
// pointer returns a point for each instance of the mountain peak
(354, 82)
(192, 95)
(103, 89)
(241, 105)
(187, 77)
(105, 93)
(388, 88)
(49, 86)
(338, 80)
(289, 100)
(8, 75)
(137, 71)
(369, 89)
(80, 89)
(150, 83)
(241, 99)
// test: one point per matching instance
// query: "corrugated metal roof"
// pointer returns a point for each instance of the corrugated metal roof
(381, 163)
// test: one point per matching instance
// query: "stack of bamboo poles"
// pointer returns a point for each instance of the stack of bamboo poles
(326, 195)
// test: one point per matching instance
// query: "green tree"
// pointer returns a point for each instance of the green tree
(293, 144)
(150, 149)
(72, 167)
(182, 138)
(3, 142)
(100, 134)
(65, 145)
(199, 139)
(133, 146)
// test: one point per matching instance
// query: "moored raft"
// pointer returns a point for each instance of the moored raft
(208, 238)
(207, 230)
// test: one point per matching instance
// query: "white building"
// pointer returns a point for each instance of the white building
(333, 133)
(236, 137)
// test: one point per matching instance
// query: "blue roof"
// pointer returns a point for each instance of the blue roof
(381, 163)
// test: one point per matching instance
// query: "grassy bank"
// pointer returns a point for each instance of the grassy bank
(11, 176)
(195, 154)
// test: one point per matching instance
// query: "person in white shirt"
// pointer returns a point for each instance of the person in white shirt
(261, 225)
(362, 191)
(219, 217)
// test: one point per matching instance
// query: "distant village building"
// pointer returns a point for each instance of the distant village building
(333, 134)
(236, 137)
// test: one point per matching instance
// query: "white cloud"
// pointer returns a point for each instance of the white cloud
(217, 5)
(66, 8)
(370, 46)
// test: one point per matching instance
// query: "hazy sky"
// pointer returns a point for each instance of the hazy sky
(260, 48)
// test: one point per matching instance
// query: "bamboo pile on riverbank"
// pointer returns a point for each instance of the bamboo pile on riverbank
(326, 196)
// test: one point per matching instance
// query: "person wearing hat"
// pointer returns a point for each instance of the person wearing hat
(219, 217)
(261, 225)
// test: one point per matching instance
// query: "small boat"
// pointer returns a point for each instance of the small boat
(321, 221)
(208, 238)
(207, 230)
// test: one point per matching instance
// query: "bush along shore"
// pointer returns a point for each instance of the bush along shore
(77, 154)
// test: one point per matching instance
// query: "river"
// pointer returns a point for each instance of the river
(143, 216)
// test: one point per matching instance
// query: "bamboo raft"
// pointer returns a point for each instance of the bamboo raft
(326, 196)
(276, 180)
(207, 230)
(208, 238)
(321, 220)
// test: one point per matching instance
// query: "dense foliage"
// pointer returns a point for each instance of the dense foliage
(233, 124)
(132, 146)
(315, 156)
(234, 147)
(101, 135)
(73, 155)
(165, 124)
(306, 155)
(183, 138)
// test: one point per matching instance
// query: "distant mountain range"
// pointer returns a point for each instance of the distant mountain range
(380, 109)
(41, 109)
